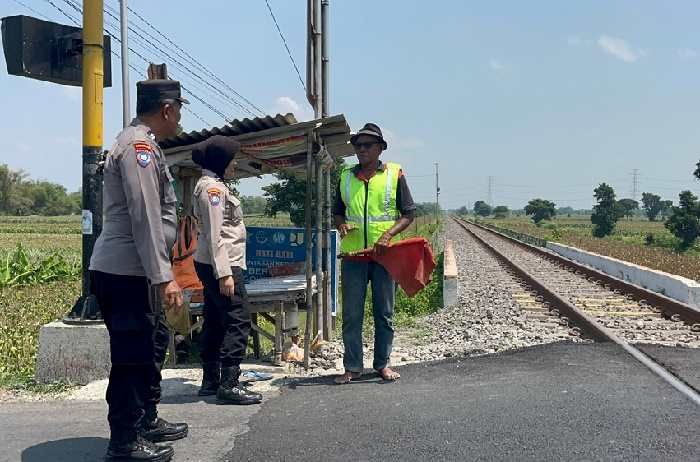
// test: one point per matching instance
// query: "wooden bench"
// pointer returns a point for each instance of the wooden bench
(271, 298)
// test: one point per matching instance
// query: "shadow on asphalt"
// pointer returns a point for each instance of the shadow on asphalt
(365, 379)
(68, 450)
(186, 392)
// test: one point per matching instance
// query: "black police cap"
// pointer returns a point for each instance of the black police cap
(159, 90)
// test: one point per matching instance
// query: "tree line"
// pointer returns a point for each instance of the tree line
(20, 195)
(683, 220)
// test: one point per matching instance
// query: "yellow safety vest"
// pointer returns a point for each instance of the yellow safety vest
(370, 207)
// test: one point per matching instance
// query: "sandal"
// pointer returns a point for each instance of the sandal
(347, 377)
(388, 374)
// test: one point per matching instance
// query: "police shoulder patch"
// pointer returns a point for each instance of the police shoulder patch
(214, 196)
(144, 153)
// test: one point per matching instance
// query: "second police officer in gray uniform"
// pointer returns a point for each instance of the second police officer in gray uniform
(220, 261)
(132, 277)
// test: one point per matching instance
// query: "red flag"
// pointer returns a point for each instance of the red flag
(410, 263)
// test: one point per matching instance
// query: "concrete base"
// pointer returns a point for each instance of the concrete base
(76, 354)
(450, 281)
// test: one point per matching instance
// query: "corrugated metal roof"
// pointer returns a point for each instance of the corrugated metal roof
(235, 128)
(267, 150)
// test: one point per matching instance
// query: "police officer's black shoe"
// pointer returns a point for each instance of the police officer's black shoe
(158, 430)
(231, 392)
(139, 450)
(211, 379)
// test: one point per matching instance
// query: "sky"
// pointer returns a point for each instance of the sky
(548, 98)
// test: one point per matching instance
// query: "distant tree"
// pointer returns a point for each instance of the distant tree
(627, 207)
(568, 211)
(426, 208)
(540, 209)
(462, 211)
(684, 221)
(606, 212)
(666, 209)
(651, 203)
(253, 205)
(482, 209)
(289, 194)
(500, 211)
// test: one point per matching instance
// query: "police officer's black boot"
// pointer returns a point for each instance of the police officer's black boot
(137, 448)
(211, 379)
(232, 392)
(155, 429)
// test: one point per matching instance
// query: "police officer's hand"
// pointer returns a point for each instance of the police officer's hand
(171, 294)
(226, 286)
(382, 243)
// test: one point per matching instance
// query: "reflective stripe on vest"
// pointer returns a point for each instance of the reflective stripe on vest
(372, 218)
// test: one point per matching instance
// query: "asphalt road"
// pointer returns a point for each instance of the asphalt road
(548, 403)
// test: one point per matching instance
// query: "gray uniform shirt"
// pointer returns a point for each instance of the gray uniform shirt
(222, 235)
(139, 209)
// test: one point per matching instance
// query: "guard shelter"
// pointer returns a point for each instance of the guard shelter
(305, 149)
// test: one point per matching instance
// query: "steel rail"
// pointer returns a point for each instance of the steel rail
(588, 324)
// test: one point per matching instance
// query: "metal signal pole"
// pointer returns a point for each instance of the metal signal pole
(86, 309)
(437, 194)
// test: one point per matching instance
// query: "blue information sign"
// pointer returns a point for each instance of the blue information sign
(284, 250)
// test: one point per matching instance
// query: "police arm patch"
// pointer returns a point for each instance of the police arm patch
(214, 196)
(144, 154)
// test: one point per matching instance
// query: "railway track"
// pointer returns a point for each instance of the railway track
(595, 305)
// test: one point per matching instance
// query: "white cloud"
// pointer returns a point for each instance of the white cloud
(496, 65)
(620, 49)
(285, 104)
(687, 53)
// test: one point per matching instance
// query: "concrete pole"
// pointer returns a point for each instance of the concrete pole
(123, 15)
(325, 68)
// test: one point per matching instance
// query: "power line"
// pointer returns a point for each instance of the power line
(284, 41)
(184, 67)
(147, 61)
(32, 9)
(77, 7)
(206, 69)
(77, 23)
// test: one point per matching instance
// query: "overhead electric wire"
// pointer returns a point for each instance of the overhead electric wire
(181, 65)
(77, 23)
(147, 61)
(284, 41)
(195, 61)
(212, 108)
(185, 68)
(32, 9)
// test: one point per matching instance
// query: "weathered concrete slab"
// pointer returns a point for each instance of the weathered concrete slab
(450, 280)
(72, 353)
(677, 287)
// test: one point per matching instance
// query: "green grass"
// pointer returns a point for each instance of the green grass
(23, 310)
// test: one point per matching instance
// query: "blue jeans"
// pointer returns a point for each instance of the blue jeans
(354, 278)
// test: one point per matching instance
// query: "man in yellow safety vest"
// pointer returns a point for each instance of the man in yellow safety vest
(373, 204)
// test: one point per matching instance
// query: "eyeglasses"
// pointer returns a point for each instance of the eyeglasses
(369, 144)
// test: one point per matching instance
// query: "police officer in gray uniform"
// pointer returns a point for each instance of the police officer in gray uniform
(131, 274)
(220, 262)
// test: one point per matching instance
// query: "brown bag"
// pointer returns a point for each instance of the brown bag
(183, 255)
(185, 274)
